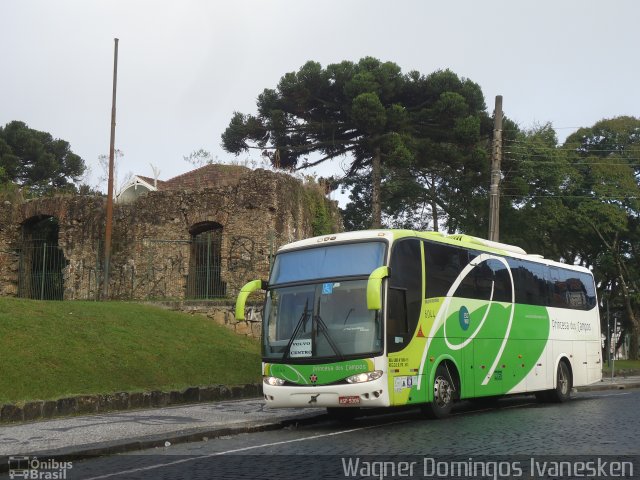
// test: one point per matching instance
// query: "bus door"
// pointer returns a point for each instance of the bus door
(404, 306)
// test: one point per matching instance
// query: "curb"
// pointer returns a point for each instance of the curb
(87, 404)
(158, 441)
(610, 386)
(621, 373)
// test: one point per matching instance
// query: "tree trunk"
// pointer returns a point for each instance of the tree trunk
(633, 345)
(376, 180)
(633, 321)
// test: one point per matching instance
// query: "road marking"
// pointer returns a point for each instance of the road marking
(243, 449)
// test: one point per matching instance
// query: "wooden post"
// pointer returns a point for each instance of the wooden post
(496, 157)
(109, 222)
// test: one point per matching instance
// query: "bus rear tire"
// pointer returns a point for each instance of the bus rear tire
(443, 394)
(564, 384)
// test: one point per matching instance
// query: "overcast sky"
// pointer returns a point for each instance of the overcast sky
(185, 66)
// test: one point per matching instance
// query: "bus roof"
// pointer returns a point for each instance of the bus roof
(459, 240)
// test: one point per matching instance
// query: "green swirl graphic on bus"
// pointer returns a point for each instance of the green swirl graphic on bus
(462, 324)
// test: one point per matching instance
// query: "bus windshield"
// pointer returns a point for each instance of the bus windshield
(333, 261)
(324, 315)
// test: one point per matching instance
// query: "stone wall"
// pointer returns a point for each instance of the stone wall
(225, 315)
(151, 256)
(9, 243)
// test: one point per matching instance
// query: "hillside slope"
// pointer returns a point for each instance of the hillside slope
(54, 349)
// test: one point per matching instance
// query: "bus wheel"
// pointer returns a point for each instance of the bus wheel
(564, 383)
(443, 394)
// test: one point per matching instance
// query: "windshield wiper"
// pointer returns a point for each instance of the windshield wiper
(325, 330)
(301, 322)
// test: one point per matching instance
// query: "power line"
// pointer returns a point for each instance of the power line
(590, 197)
(521, 144)
(613, 164)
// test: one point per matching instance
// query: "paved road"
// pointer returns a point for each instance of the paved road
(118, 432)
(592, 425)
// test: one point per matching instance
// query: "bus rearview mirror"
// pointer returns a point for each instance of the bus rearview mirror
(374, 288)
(245, 291)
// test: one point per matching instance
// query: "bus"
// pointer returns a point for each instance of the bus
(386, 318)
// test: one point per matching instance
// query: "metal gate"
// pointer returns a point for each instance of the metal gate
(40, 274)
(204, 280)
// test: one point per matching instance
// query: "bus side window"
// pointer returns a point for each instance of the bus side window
(502, 281)
(590, 290)
(531, 282)
(404, 299)
(442, 264)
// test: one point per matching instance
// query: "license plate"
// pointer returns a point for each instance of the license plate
(351, 400)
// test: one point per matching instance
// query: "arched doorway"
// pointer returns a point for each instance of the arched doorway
(204, 280)
(41, 260)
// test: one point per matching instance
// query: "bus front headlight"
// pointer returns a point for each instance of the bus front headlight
(364, 377)
(273, 381)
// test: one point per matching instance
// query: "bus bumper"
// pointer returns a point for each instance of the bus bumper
(366, 394)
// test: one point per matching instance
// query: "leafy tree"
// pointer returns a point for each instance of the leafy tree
(441, 181)
(388, 124)
(36, 160)
(533, 210)
(348, 108)
(451, 131)
(605, 208)
(580, 202)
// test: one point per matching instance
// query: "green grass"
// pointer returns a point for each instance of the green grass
(622, 365)
(50, 350)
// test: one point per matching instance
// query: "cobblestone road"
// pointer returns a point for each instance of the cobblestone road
(591, 425)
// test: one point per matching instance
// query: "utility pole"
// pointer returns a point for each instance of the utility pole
(496, 157)
(608, 292)
(109, 222)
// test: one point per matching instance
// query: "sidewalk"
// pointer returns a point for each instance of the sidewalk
(618, 383)
(117, 432)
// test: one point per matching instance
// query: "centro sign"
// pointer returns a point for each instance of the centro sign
(300, 348)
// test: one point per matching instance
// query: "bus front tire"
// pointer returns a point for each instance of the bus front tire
(443, 394)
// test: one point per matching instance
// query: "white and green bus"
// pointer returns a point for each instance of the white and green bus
(397, 317)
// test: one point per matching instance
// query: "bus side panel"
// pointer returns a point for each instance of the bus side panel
(510, 350)
(575, 334)
(531, 341)
(540, 378)
(489, 383)
(594, 361)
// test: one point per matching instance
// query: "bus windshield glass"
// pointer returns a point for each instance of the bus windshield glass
(334, 261)
(320, 309)
(320, 320)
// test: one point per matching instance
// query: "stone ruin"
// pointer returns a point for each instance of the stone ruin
(198, 236)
